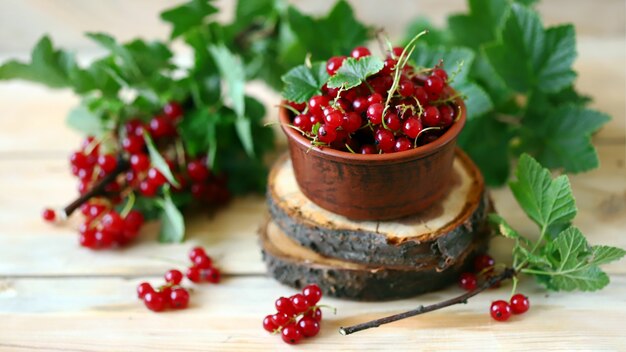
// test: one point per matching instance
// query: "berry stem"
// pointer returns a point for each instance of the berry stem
(506, 274)
(98, 188)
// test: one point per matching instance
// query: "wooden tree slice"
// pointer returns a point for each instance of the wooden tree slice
(442, 232)
(297, 266)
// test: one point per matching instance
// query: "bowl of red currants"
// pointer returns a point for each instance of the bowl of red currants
(377, 141)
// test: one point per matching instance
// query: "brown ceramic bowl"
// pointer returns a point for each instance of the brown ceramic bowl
(374, 186)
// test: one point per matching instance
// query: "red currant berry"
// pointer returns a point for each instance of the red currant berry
(87, 238)
(203, 261)
(420, 94)
(375, 113)
(317, 103)
(173, 277)
(359, 104)
(143, 289)
(179, 298)
(389, 66)
(173, 110)
(334, 63)
(148, 189)
(196, 252)
(283, 305)
(193, 274)
(412, 127)
(315, 314)
(393, 122)
(48, 215)
(211, 275)
(500, 310)
(308, 326)
(268, 324)
(155, 301)
(299, 302)
(359, 52)
(291, 334)
(519, 304)
(441, 73)
(333, 119)
(402, 144)
(434, 85)
(406, 88)
(368, 149)
(139, 162)
(280, 319)
(161, 126)
(447, 115)
(133, 220)
(483, 262)
(351, 122)
(468, 281)
(103, 239)
(79, 160)
(326, 134)
(431, 117)
(107, 162)
(156, 177)
(303, 122)
(297, 106)
(397, 51)
(312, 293)
(134, 127)
(374, 99)
(197, 170)
(384, 140)
(112, 222)
(133, 144)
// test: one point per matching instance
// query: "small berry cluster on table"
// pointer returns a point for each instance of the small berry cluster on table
(117, 168)
(500, 310)
(379, 116)
(172, 294)
(296, 317)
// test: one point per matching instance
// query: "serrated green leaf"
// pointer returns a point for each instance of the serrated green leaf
(562, 137)
(528, 57)
(477, 101)
(172, 221)
(545, 201)
(481, 24)
(504, 228)
(108, 42)
(490, 154)
(353, 72)
(158, 162)
(187, 16)
(303, 82)
(85, 121)
(605, 254)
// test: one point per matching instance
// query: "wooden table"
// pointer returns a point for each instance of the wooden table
(57, 296)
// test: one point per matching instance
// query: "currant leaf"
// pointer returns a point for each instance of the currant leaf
(546, 201)
(187, 16)
(85, 121)
(353, 72)
(172, 221)
(303, 82)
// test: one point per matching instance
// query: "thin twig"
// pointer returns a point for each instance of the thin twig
(98, 188)
(505, 275)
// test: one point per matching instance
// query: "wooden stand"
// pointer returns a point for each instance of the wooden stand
(374, 260)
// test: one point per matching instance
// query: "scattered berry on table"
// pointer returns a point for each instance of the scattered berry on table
(519, 304)
(500, 310)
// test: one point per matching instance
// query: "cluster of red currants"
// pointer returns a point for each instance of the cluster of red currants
(500, 310)
(365, 120)
(297, 316)
(172, 294)
(115, 166)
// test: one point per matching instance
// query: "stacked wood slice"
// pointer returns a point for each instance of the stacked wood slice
(374, 260)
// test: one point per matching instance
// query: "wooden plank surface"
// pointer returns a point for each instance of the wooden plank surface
(57, 296)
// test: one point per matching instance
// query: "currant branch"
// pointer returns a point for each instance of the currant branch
(506, 274)
(99, 188)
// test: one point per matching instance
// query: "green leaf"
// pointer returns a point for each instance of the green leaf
(303, 82)
(545, 201)
(562, 137)
(528, 57)
(353, 72)
(172, 221)
(83, 120)
(481, 24)
(158, 162)
(575, 263)
(455, 59)
(505, 229)
(477, 101)
(187, 16)
(127, 59)
(490, 154)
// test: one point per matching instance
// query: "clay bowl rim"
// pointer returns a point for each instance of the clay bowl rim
(387, 158)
